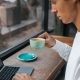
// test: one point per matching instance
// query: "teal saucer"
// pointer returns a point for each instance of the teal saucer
(27, 56)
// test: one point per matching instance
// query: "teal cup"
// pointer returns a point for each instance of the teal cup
(37, 43)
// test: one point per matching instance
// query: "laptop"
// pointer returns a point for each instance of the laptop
(7, 72)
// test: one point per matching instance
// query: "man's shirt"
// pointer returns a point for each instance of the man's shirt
(73, 64)
(72, 56)
(63, 49)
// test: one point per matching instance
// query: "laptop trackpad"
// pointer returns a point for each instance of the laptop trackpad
(27, 70)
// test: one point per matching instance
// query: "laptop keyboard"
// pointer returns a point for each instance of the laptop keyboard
(8, 72)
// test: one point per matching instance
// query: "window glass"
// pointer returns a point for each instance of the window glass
(19, 20)
(54, 22)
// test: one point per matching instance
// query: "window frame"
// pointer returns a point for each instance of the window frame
(12, 50)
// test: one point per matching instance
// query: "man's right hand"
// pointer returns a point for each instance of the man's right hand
(49, 40)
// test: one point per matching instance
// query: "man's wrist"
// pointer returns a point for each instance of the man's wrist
(53, 43)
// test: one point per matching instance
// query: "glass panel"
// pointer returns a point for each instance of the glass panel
(70, 29)
(54, 22)
(19, 20)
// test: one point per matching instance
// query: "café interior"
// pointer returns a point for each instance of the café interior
(22, 20)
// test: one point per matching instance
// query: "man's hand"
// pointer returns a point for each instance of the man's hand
(22, 76)
(49, 40)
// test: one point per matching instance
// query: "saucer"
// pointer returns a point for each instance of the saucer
(27, 56)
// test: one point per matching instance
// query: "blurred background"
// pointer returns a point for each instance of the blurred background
(22, 19)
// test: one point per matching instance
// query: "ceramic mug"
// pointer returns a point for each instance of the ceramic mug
(37, 43)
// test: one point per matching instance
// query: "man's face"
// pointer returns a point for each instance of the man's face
(64, 9)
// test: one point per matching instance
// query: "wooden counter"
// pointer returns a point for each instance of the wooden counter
(47, 65)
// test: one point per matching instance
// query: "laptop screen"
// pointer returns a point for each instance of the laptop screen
(1, 64)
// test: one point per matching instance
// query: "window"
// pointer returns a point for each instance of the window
(19, 21)
(54, 23)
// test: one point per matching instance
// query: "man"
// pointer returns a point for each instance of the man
(68, 11)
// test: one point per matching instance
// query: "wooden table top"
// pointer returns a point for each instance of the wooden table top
(45, 67)
(67, 40)
(48, 64)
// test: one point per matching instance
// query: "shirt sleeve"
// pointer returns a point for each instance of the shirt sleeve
(63, 49)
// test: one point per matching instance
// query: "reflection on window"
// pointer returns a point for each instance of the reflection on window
(19, 20)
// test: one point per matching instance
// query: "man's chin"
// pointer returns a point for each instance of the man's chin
(66, 22)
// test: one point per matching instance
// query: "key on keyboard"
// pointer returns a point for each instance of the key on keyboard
(8, 72)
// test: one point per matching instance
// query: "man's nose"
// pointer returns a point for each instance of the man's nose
(53, 8)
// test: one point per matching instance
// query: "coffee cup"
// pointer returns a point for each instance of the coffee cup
(37, 43)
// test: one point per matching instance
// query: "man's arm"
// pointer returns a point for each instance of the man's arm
(63, 49)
